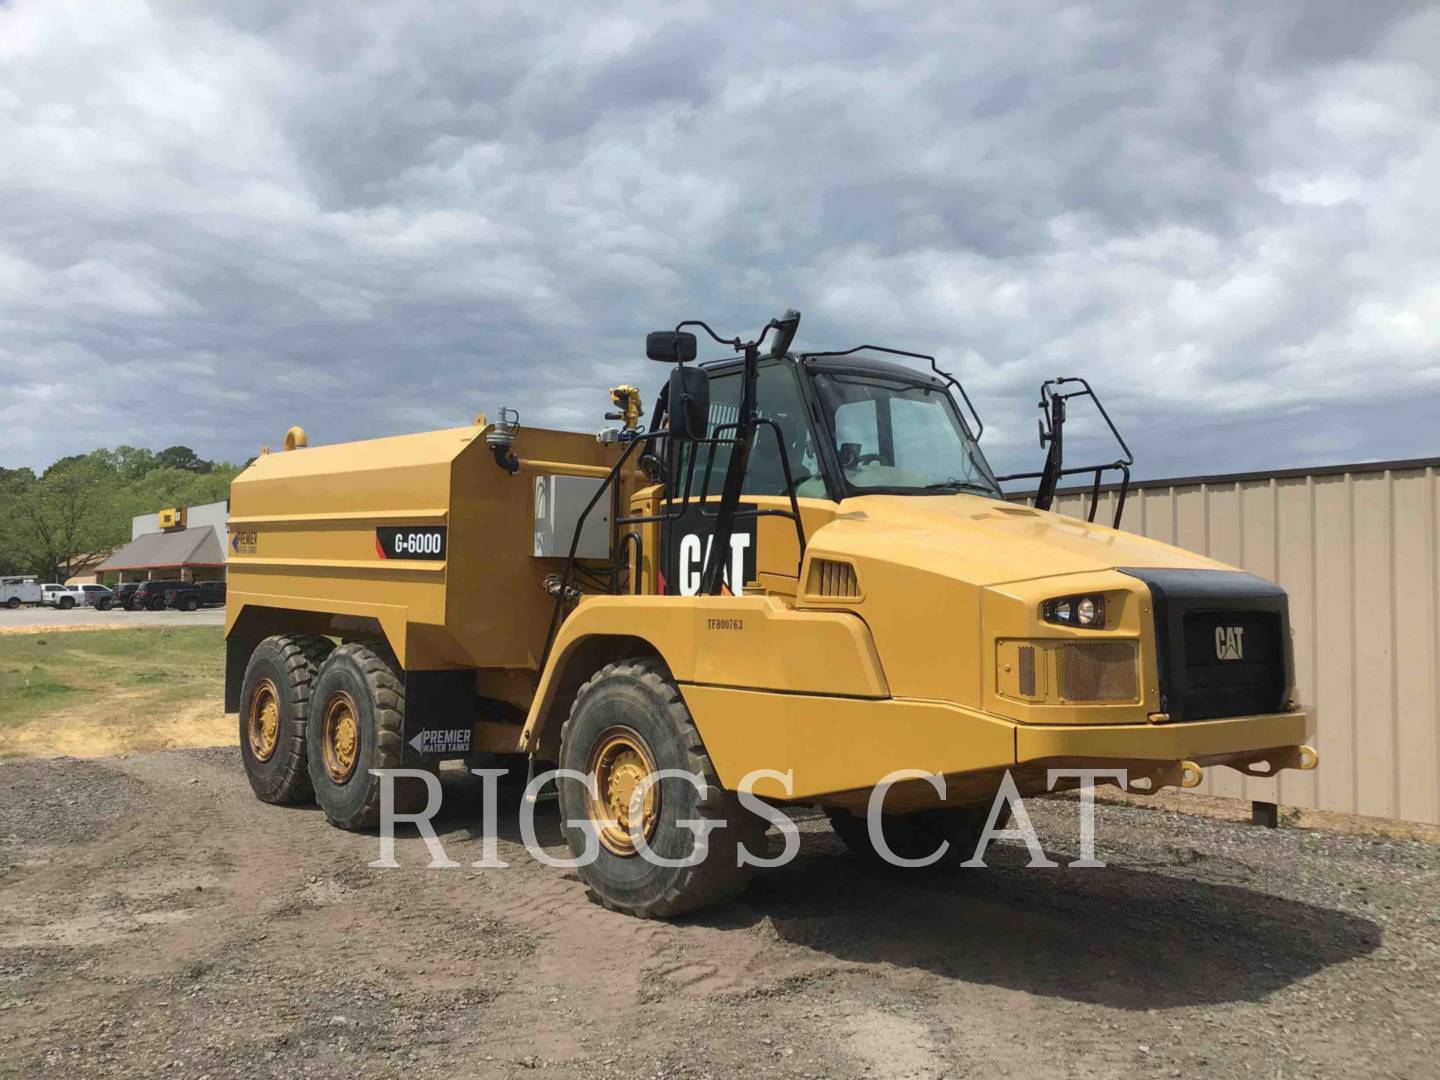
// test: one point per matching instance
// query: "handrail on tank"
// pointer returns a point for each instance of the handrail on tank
(563, 468)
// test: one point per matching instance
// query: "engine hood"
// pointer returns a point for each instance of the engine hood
(989, 541)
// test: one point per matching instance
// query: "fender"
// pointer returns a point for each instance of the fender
(747, 642)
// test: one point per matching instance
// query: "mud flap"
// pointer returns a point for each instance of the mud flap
(237, 658)
(440, 714)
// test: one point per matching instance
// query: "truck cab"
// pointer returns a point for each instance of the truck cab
(866, 494)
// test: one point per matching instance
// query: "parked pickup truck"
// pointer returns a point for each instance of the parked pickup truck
(66, 597)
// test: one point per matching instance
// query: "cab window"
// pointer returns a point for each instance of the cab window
(778, 398)
(898, 437)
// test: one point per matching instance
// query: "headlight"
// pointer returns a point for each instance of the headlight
(1087, 611)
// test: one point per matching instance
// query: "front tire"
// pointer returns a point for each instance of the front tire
(66, 603)
(274, 706)
(192, 604)
(357, 723)
(12, 603)
(627, 721)
(105, 604)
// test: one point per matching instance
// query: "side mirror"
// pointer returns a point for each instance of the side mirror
(688, 402)
(670, 346)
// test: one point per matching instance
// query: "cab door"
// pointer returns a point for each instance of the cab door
(764, 550)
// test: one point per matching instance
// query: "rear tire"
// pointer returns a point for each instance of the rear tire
(918, 835)
(13, 603)
(192, 604)
(357, 723)
(636, 700)
(280, 675)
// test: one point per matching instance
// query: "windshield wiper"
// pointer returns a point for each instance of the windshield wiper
(965, 485)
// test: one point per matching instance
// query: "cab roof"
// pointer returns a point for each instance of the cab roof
(849, 365)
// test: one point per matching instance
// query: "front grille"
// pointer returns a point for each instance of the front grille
(1234, 663)
(1222, 643)
(1093, 672)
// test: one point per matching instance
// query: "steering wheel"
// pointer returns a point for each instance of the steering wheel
(865, 459)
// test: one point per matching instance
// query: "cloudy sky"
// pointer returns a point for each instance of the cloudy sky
(216, 221)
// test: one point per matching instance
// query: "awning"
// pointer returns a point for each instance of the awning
(183, 547)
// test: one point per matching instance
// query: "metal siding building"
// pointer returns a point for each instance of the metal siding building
(1357, 547)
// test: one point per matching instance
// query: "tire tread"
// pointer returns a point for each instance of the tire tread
(300, 657)
(717, 880)
(386, 682)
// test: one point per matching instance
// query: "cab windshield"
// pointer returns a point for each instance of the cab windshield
(892, 436)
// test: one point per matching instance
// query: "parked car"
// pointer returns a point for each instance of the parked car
(212, 594)
(152, 595)
(15, 591)
(96, 596)
(183, 596)
(124, 594)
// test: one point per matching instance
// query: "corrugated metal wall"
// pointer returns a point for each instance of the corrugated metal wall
(1358, 550)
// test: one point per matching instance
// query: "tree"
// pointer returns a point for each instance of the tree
(83, 504)
(131, 462)
(12, 483)
(61, 515)
(182, 457)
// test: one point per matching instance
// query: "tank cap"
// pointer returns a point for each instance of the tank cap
(295, 438)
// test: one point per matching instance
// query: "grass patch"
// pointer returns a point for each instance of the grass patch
(102, 691)
(32, 686)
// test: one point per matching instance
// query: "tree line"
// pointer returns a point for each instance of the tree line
(52, 520)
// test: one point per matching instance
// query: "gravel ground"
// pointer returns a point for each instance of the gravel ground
(160, 921)
(24, 619)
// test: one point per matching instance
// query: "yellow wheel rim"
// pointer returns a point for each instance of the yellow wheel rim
(619, 760)
(340, 737)
(262, 724)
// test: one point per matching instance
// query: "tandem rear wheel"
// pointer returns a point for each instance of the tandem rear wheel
(357, 723)
(315, 719)
(274, 708)
(629, 721)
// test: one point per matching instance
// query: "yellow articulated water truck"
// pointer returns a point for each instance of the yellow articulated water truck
(801, 563)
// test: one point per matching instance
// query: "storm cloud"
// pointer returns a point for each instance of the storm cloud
(218, 221)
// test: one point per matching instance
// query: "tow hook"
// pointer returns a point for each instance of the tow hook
(1270, 762)
(1150, 777)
